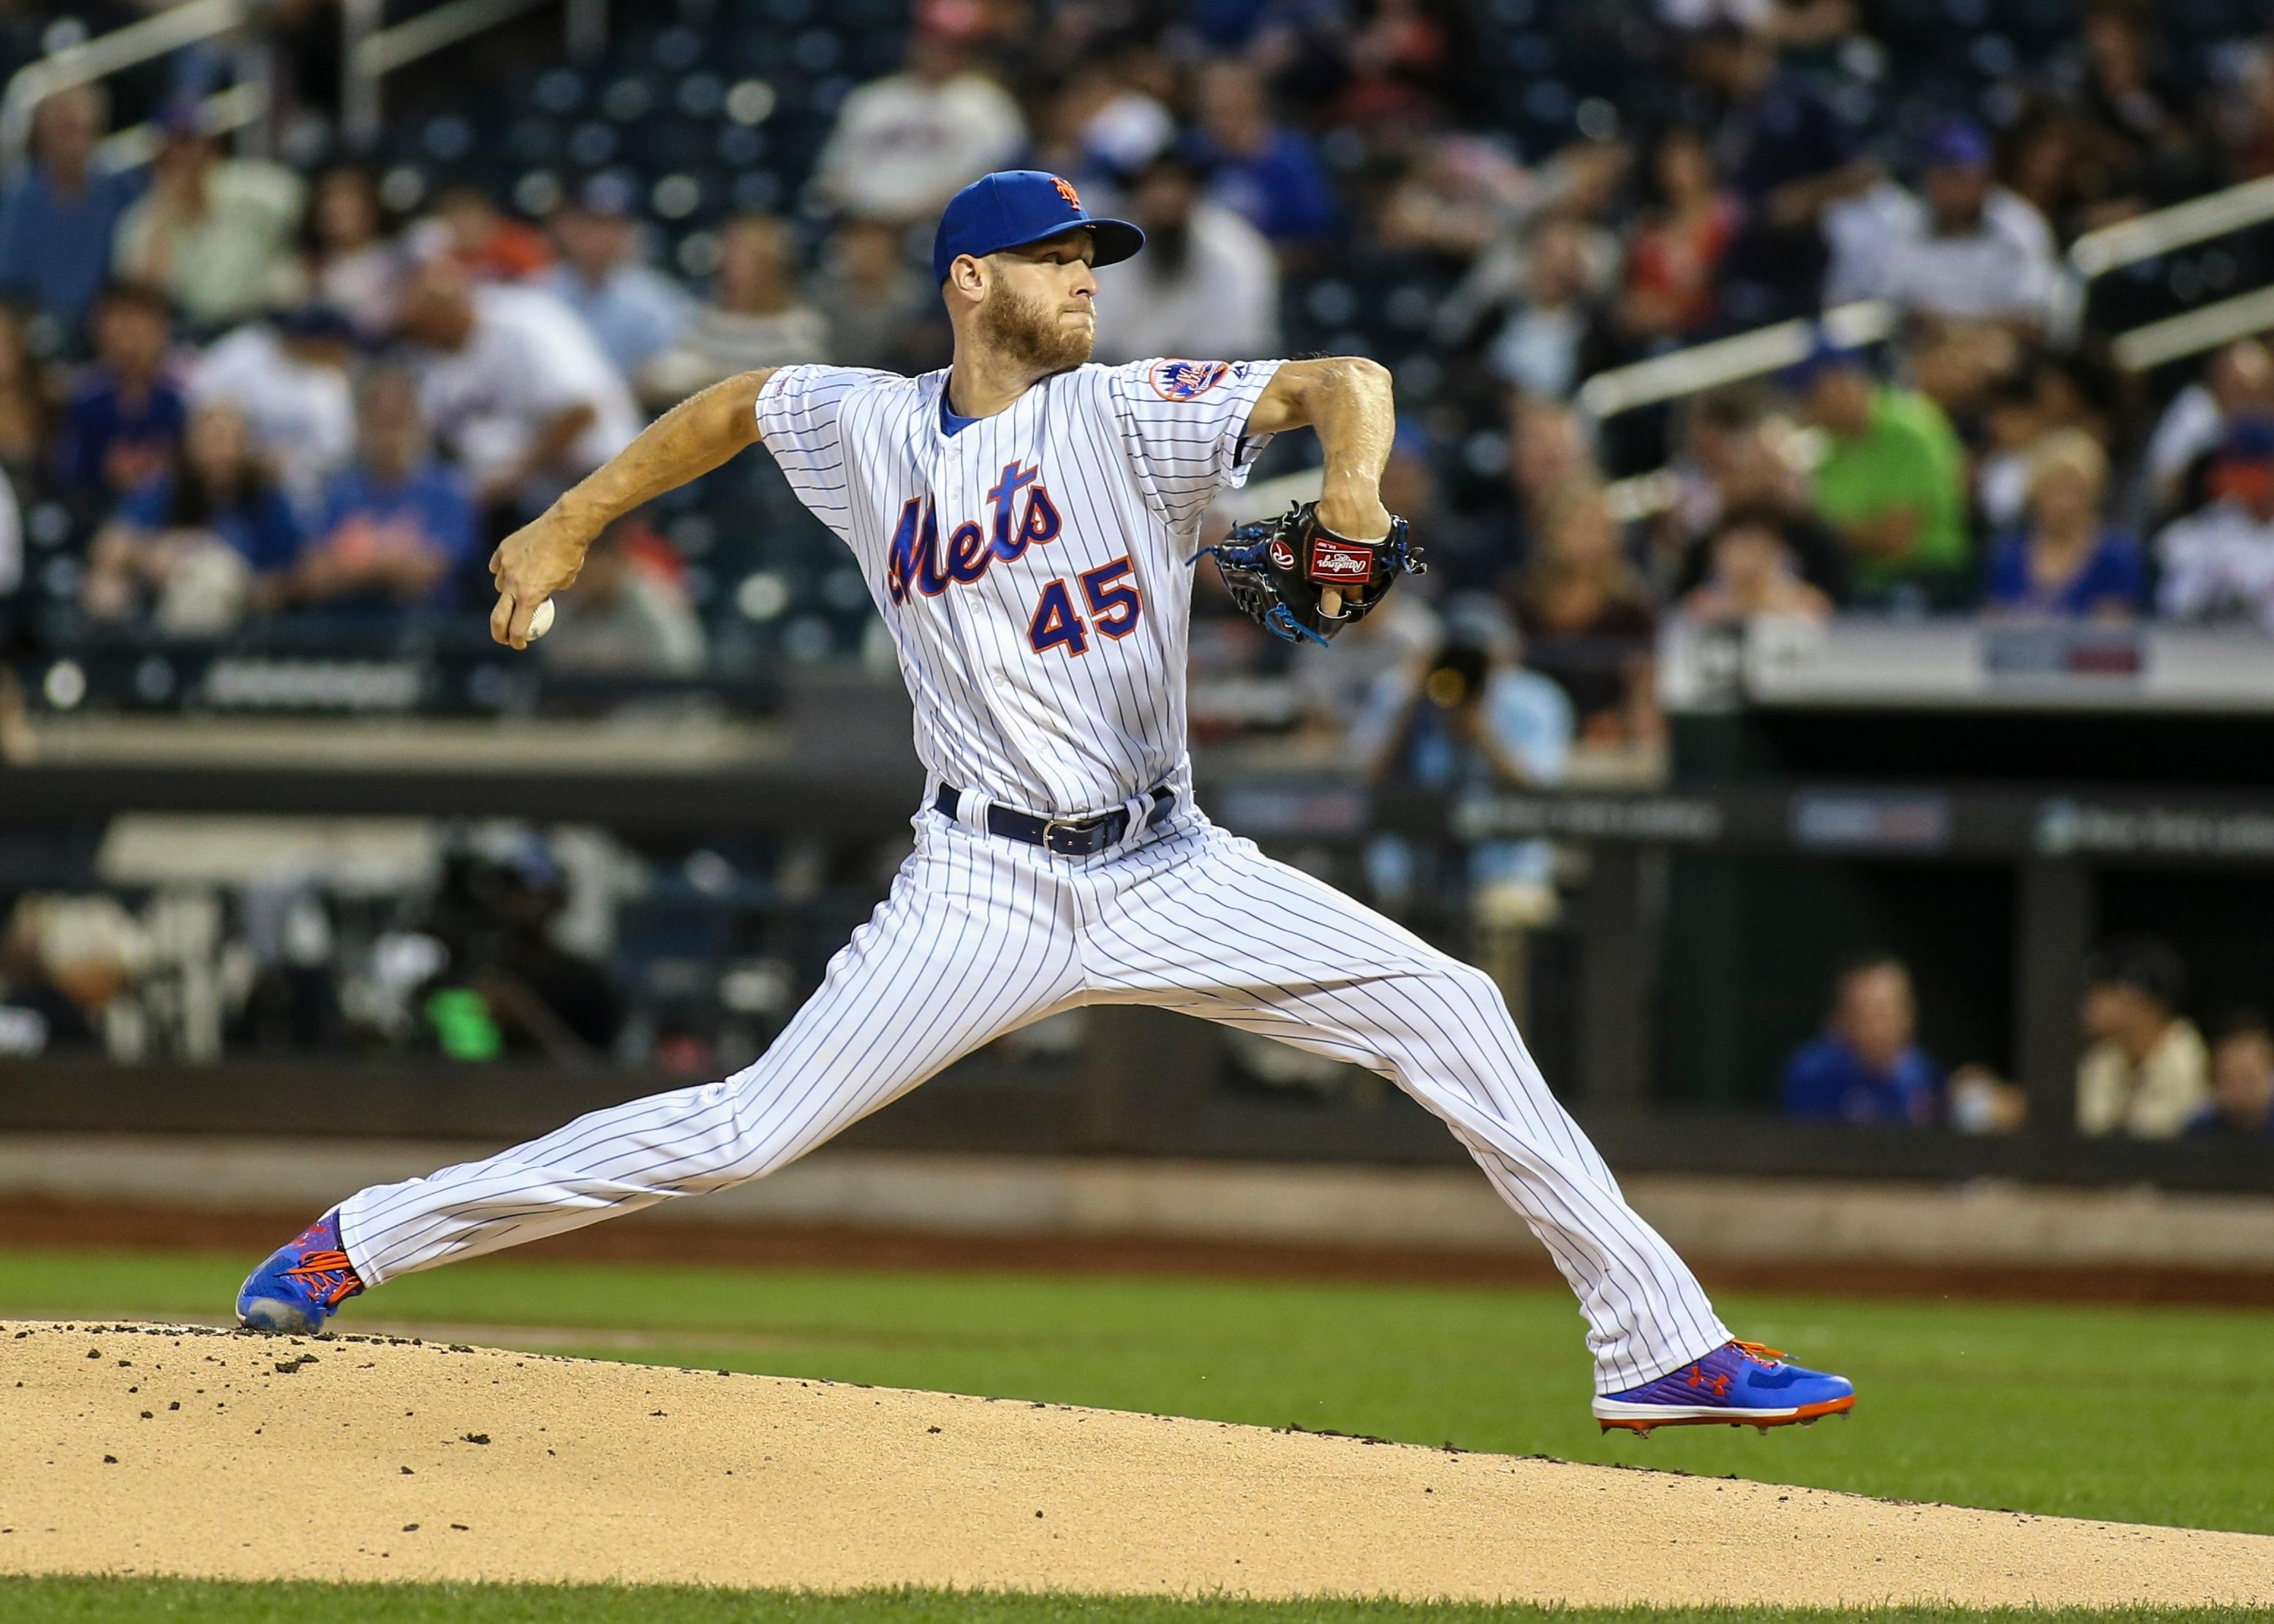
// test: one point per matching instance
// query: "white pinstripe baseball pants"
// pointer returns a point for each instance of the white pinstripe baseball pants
(982, 936)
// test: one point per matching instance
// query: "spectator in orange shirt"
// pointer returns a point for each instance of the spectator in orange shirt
(487, 244)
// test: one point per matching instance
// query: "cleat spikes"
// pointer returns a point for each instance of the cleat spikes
(1739, 1383)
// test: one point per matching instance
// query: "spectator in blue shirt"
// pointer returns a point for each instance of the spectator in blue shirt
(398, 527)
(1255, 168)
(635, 314)
(1867, 1066)
(1468, 718)
(2241, 1082)
(202, 546)
(123, 424)
(2067, 563)
(58, 215)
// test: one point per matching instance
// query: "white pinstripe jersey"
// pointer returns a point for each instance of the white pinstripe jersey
(1033, 568)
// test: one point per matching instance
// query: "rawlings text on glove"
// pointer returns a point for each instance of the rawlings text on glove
(1297, 579)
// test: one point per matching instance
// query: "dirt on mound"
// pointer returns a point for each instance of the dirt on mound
(180, 1450)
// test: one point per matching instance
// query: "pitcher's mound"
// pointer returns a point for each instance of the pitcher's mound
(177, 1450)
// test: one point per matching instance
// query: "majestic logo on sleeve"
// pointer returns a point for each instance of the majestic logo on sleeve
(915, 558)
(1185, 380)
(1066, 191)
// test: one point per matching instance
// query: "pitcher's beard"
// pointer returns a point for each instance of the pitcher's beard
(1029, 333)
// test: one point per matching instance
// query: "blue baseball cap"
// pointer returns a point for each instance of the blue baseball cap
(1014, 207)
(2248, 439)
(1957, 143)
(1825, 355)
(182, 117)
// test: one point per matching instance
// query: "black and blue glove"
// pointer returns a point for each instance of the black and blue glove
(1298, 580)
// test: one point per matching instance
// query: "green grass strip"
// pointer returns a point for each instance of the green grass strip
(182, 1601)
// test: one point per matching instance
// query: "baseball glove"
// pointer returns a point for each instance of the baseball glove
(1297, 579)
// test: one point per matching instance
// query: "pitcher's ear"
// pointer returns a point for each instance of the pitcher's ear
(968, 276)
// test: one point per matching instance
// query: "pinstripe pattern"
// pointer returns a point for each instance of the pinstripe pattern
(980, 935)
(963, 950)
(1202, 922)
(1130, 471)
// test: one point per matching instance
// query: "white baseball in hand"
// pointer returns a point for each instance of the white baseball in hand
(541, 622)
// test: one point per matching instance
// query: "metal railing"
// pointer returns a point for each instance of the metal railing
(91, 61)
(1765, 349)
(237, 108)
(2145, 349)
(372, 52)
(2198, 220)
(1732, 360)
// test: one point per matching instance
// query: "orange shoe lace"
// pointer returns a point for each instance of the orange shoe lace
(318, 1267)
(1757, 1352)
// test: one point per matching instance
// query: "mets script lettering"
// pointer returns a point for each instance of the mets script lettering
(916, 558)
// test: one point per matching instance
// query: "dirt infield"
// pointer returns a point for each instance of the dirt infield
(176, 1450)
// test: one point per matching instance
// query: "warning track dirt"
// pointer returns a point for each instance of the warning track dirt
(168, 1449)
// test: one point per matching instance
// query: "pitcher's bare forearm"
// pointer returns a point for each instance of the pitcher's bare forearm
(687, 442)
(1347, 400)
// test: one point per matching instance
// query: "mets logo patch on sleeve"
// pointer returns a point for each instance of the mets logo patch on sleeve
(1185, 380)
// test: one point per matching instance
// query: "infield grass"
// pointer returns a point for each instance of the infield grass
(130, 1601)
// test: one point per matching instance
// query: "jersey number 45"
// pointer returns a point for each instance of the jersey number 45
(1114, 610)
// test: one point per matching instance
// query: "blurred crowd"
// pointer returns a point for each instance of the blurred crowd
(234, 389)
(313, 388)
(2146, 1070)
(254, 394)
(479, 944)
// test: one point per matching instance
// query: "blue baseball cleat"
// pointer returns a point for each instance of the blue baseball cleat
(302, 1285)
(1739, 1383)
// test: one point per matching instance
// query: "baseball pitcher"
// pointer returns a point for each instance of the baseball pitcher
(1027, 524)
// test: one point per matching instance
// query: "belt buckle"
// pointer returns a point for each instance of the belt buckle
(1050, 826)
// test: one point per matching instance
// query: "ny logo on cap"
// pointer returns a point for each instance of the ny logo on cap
(1066, 191)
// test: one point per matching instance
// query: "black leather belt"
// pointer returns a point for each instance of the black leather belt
(1067, 837)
